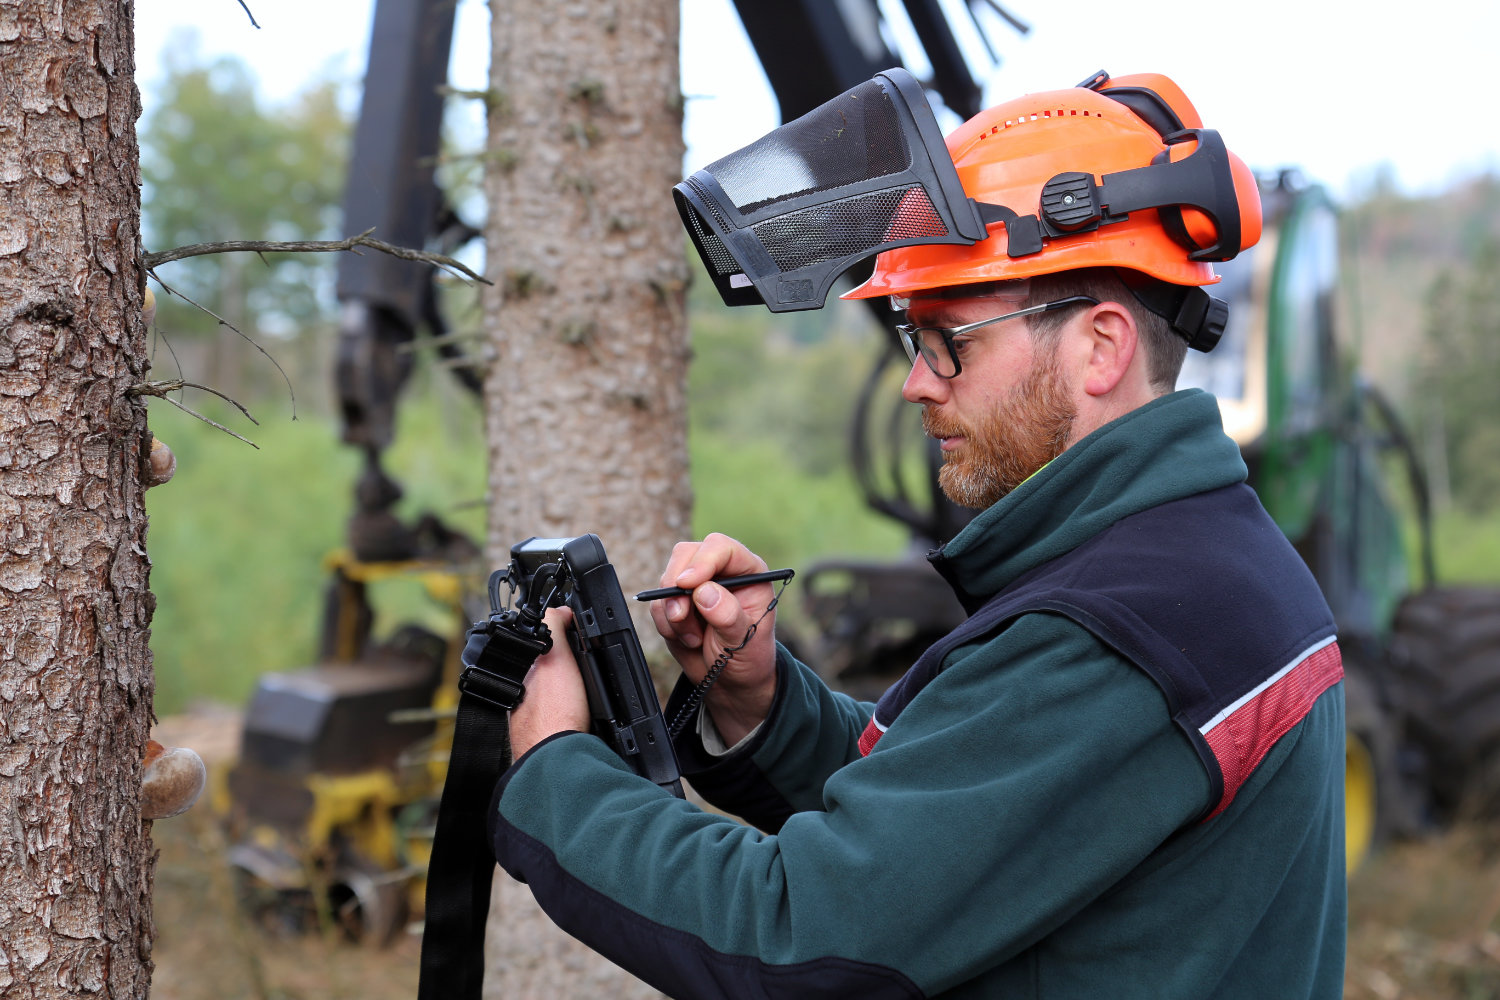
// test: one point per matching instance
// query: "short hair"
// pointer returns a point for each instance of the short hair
(1165, 350)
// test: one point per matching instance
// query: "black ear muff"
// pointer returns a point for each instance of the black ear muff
(1200, 319)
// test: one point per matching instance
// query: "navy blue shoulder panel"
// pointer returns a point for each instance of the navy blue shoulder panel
(1204, 593)
(1227, 598)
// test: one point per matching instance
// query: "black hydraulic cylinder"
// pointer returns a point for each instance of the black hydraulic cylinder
(814, 50)
(950, 72)
(390, 186)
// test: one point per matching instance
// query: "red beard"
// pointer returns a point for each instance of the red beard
(1026, 430)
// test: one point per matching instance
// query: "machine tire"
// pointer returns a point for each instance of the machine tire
(1374, 797)
(1446, 654)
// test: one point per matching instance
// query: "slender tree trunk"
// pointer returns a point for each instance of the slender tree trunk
(586, 396)
(75, 669)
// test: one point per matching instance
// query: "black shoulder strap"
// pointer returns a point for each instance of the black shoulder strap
(462, 864)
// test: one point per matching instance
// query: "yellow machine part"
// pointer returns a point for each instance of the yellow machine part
(360, 807)
(1359, 801)
(444, 586)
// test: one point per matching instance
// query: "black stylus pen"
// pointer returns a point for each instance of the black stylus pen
(729, 583)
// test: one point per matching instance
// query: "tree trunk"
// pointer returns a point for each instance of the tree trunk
(586, 395)
(75, 668)
(586, 401)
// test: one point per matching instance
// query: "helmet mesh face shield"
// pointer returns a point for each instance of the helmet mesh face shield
(779, 220)
(1106, 174)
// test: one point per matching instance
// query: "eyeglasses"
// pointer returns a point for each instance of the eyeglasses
(940, 346)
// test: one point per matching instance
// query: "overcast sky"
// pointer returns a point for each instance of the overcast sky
(1334, 88)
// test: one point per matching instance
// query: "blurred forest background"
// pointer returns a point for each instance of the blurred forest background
(238, 538)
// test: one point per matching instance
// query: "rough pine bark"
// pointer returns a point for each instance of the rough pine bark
(75, 669)
(586, 393)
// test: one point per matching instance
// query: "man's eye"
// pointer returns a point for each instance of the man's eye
(961, 344)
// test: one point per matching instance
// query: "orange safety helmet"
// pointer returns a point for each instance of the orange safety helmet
(1088, 177)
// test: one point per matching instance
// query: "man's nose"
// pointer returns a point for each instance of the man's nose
(922, 386)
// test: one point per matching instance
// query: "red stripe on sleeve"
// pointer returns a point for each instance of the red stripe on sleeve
(1241, 741)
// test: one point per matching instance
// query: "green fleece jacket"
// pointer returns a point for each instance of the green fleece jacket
(1031, 825)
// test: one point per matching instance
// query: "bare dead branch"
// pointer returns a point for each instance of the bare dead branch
(478, 364)
(251, 16)
(364, 239)
(162, 388)
(260, 247)
(156, 333)
(249, 340)
(438, 343)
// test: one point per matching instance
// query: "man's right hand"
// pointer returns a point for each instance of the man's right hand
(698, 630)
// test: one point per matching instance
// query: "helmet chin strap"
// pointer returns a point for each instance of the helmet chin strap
(1193, 314)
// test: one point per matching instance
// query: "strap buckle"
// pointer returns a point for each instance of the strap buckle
(495, 659)
(492, 689)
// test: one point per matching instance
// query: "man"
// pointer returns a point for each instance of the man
(1121, 777)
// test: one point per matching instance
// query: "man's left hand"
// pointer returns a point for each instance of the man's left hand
(555, 701)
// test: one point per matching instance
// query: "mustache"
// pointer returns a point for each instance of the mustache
(935, 425)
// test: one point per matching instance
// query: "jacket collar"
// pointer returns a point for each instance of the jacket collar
(1172, 447)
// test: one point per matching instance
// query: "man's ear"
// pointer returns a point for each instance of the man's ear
(1113, 339)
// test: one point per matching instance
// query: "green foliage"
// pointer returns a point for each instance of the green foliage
(1396, 246)
(791, 378)
(1462, 366)
(235, 541)
(237, 538)
(439, 451)
(1466, 547)
(1425, 289)
(218, 165)
(786, 515)
(755, 385)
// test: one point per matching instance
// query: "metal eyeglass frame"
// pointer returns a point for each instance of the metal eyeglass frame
(911, 335)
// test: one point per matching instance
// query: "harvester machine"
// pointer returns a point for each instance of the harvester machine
(334, 795)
